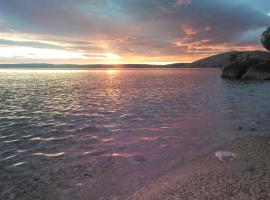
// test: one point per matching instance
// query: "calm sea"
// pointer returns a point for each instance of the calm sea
(117, 127)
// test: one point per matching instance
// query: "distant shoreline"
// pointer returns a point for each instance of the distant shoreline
(86, 69)
(218, 61)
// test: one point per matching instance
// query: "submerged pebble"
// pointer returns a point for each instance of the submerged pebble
(139, 158)
(68, 194)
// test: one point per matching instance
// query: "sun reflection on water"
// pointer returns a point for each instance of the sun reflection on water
(49, 155)
(112, 71)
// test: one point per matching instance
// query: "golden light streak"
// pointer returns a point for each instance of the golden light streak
(158, 63)
(38, 53)
(20, 37)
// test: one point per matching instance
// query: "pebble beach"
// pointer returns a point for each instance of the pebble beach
(247, 177)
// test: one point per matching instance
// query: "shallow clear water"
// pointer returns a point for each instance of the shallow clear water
(167, 117)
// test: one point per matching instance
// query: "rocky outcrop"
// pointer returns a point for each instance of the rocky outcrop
(247, 67)
(260, 71)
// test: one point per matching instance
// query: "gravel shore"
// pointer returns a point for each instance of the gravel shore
(246, 178)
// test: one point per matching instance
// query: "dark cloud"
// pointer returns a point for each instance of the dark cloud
(227, 21)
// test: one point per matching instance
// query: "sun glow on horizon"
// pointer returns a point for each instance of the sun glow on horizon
(158, 63)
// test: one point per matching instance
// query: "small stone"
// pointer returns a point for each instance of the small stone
(253, 129)
(225, 155)
(240, 128)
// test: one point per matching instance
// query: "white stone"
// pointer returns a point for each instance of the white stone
(225, 155)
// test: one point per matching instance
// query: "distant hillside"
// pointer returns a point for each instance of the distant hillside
(222, 60)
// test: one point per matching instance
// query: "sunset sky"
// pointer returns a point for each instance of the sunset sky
(127, 31)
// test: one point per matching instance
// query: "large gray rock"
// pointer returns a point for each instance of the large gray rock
(265, 39)
(247, 67)
(258, 72)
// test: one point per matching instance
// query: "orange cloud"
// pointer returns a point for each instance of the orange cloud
(189, 30)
